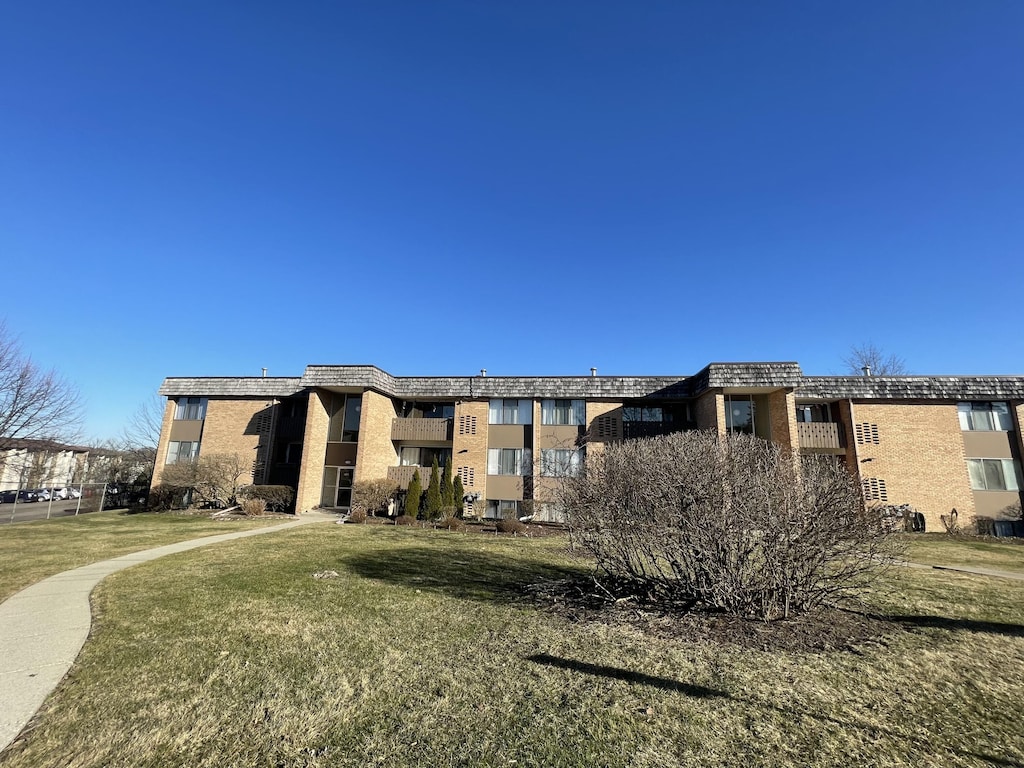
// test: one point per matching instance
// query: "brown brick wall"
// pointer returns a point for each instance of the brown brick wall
(709, 411)
(470, 450)
(782, 411)
(376, 449)
(595, 409)
(314, 448)
(165, 436)
(232, 428)
(919, 455)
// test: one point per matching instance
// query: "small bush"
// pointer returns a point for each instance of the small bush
(357, 516)
(512, 526)
(253, 507)
(451, 523)
(405, 520)
(373, 496)
(278, 498)
(984, 526)
(165, 497)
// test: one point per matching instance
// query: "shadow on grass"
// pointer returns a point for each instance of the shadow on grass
(629, 676)
(946, 622)
(461, 573)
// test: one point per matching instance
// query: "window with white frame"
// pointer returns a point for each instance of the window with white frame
(572, 413)
(985, 417)
(182, 451)
(190, 409)
(505, 411)
(994, 474)
(560, 462)
(509, 461)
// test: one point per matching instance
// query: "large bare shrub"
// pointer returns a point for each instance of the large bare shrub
(373, 496)
(731, 523)
(213, 479)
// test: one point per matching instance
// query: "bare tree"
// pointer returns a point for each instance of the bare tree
(141, 435)
(35, 404)
(877, 362)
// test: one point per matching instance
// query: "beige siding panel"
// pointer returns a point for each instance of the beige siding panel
(988, 445)
(506, 487)
(187, 429)
(507, 435)
(992, 504)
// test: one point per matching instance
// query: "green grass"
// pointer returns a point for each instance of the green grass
(941, 549)
(422, 653)
(32, 551)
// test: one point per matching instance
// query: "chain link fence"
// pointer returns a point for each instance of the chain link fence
(24, 504)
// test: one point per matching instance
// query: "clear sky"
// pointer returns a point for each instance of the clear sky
(208, 188)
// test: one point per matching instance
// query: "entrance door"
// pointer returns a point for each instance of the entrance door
(337, 491)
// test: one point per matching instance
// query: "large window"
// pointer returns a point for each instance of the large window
(344, 423)
(994, 474)
(510, 412)
(191, 409)
(502, 509)
(182, 451)
(560, 462)
(739, 413)
(985, 417)
(509, 461)
(572, 413)
(415, 456)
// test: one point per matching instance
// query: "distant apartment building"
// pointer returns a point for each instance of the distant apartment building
(47, 464)
(935, 442)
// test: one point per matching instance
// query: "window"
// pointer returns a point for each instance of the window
(427, 410)
(510, 412)
(739, 413)
(572, 413)
(501, 509)
(191, 409)
(559, 462)
(414, 456)
(994, 474)
(984, 417)
(344, 419)
(509, 461)
(179, 452)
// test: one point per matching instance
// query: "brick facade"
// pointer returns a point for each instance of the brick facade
(161, 450)
(469, 444)
(311, 474)
(918, 452)
(376, 449)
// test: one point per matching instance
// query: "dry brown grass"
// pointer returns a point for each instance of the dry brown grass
(423, 652)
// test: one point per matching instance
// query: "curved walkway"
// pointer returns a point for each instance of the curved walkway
(43, 627)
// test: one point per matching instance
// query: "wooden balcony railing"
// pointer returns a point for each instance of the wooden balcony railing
(421, 429)
(403, 475)
(819, 434)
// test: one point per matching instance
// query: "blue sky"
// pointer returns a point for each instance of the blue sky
(202, 189)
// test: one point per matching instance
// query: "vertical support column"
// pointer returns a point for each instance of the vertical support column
(314, 448)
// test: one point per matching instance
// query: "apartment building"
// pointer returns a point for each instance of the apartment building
(936, 442)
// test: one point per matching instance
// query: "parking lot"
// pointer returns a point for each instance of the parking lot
(24, 511)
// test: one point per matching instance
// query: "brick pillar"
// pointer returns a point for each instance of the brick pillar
(314, 448)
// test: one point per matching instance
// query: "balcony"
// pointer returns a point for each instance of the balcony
(821, 436)
(403, 475)
(420, 430)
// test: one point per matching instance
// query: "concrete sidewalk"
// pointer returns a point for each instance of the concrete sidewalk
(43, 627)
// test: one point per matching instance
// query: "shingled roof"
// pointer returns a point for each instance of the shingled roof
(222, 386)
(912, 387)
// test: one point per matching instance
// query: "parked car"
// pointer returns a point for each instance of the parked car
(42, 494)
(8, 497)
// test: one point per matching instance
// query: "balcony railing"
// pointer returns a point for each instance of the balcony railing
(403, 475)
(820, 435)
(421, 429)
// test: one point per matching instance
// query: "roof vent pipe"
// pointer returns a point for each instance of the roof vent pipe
(867, 370)
(264, 373)
(483, 371)
(593, 371)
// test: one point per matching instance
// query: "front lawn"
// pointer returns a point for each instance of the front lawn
(942, 549)
(423, 651)
(32, 551)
